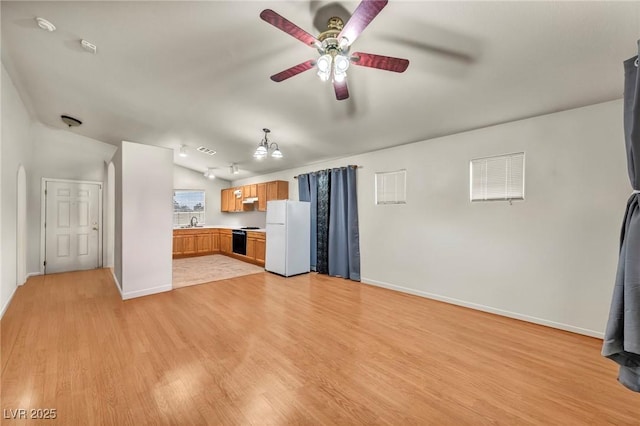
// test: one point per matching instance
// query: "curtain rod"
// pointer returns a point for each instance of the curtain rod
(350, 165)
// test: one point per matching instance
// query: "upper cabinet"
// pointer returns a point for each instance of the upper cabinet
(232, 199)
(262, 197)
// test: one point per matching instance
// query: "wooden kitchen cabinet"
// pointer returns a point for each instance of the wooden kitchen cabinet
(277, 190)
(238, 203)
(215, 241)
(225, 241)
(188, 242)
(251, 247)
(195, 242)
(231, 199)
(184, 244)
(256, 247)
(178, 247)
(260, 251)
(261, 193)
(203, 243)
(267, 191)
(224, 200)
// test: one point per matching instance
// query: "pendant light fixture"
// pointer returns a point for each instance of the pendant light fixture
(183, 151)
(265, 146)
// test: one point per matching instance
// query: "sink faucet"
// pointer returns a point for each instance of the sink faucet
(194, 221)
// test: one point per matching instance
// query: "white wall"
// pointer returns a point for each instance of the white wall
(146, 191)
(109, 214)
(250, 218)
(16, 150)
(117, 221)
(184, 178)
(549, 259)
(60, 154)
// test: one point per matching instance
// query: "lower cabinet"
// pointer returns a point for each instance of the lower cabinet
(204, 241)
(261, 249)
(225, 241)
(195, 242)
(256, 244)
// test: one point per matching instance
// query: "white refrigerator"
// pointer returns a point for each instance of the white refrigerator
(288, 237)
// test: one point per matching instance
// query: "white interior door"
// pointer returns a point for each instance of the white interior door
(71, 226)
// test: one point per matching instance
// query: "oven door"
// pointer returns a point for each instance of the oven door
(239, 243)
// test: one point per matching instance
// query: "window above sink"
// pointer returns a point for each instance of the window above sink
(187, 205)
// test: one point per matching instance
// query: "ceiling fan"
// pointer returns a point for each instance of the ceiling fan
(333, 46)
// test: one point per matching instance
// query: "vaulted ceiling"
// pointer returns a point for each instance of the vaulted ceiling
(197, 73)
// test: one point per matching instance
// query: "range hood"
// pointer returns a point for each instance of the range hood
(250, 200)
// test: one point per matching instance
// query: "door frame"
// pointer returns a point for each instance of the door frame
(43, 216)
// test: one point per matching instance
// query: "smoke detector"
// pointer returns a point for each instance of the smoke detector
(70, 121)
(45, 25)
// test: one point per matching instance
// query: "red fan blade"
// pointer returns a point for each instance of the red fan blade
(363, 15)
(288, 27)
(381, 62)
(295, 70)
(342, 92)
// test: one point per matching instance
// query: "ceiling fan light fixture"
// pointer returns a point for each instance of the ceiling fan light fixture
(339, 77)
(324, 75)
(341, 63)
(183, 151)
(324, 63)
(234, 169)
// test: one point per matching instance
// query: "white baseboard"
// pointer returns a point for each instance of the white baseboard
(6, 305)
(146, 292)
(535, 320)
(33, 274)
(117, 283)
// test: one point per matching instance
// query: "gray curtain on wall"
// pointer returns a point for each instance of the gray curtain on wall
(335, 238)
(323, 184)
(313, 190)
(622, 336)
(304, 193)
(308, 191)
(344, 236)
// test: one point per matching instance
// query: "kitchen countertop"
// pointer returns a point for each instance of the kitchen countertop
(222, 227)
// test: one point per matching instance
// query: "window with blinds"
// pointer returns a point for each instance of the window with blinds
(391, 187)
(497, 178)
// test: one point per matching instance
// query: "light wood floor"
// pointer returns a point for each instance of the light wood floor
(264, 350)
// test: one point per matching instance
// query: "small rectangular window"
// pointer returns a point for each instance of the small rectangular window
(391, 187)
(188, 203)
(497, 178)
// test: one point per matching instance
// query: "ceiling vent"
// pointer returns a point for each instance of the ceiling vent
(88, 46)
(205, 150)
